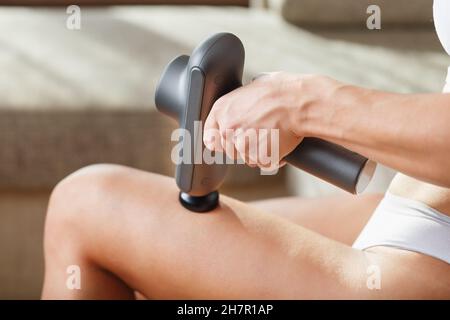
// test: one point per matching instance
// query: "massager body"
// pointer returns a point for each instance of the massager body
(186, 92)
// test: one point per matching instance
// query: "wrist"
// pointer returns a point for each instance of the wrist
(316, 99)
(327, 108)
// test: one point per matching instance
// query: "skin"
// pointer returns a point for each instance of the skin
(127, 233)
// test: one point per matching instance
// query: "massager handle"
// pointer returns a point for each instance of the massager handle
(335, 164)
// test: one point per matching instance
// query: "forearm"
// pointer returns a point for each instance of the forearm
(410, 133)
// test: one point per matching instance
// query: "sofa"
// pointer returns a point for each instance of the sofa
(70, 98)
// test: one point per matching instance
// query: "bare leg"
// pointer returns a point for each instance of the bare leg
(126, 231)
(340, 217)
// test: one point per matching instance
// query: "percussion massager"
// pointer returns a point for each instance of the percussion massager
(187, 90)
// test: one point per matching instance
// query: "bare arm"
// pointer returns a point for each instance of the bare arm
(409, 133)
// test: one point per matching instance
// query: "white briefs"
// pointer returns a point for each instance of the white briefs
(407, 224)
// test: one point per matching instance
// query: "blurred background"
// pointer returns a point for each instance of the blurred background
(69, 98)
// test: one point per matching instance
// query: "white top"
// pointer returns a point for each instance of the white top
(441, 10)
(442, 22)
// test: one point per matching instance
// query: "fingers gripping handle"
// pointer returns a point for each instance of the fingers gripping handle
(343, 168)
(330, 162)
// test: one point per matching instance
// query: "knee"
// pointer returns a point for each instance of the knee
(75, 200)
(80, 186)
(86, 193)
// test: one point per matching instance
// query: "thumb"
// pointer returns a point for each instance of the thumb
(211, 133)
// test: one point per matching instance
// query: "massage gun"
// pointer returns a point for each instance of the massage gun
(187, 90)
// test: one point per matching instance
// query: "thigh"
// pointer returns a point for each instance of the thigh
(133, 226)
(338, 217)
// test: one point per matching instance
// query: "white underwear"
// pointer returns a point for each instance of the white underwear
(407, 224)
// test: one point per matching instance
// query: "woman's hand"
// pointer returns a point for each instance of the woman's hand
(276, 102)
(406, 132)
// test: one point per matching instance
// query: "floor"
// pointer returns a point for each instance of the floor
(21, 258)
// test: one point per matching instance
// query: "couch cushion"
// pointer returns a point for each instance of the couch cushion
(353, 12)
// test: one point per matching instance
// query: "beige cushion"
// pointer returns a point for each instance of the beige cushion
(354, 12)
